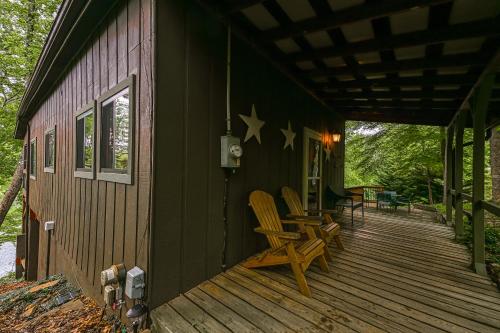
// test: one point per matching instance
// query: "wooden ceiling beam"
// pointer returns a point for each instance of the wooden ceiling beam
(414, 117)
(401, 82)
(485, 28)
(239, 6)
(366, 11)
(424, 104)
(454, 94)
(459, 60)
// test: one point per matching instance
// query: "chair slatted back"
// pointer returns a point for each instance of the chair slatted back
(264, 208)
(292, 200)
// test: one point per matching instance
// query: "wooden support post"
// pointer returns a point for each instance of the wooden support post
(479, 111)
(459, 174)
(448, 173)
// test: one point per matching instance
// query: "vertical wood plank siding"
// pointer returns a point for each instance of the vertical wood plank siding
(190, 118)
(98, 223)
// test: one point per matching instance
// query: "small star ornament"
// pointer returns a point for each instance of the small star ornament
(328, 152)
(289, 136)
(254, 125)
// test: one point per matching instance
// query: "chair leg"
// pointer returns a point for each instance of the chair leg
(297, 270)
(322, 261)
(352, 215)
(338, 241)
(328, 256)
(301, 279)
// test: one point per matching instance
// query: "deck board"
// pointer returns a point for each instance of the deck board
(398, 273)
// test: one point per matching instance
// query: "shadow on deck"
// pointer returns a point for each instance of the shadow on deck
(398, 273)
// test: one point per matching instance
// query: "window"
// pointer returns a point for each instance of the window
(116, 133)
(50, 151)
(84, 142)
(33, 159)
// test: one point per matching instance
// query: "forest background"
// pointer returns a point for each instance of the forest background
(24, 25)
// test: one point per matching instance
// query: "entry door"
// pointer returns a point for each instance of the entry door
(312, 169)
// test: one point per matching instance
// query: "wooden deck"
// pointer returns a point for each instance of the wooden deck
(398, 273)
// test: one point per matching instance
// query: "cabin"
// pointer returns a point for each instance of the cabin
(147, 123)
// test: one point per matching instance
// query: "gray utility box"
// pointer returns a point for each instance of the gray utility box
(134, 284)
(230, 152)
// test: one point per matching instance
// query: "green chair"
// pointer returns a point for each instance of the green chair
(392, 200)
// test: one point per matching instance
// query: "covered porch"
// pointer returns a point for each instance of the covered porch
(409, 62)
(397, 273)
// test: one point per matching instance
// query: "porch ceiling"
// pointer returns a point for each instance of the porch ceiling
(405, 61)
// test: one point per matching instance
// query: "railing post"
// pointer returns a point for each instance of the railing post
(448, 173)
(479, 111)
(459, 174)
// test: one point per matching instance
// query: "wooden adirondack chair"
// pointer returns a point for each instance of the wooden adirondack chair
(286, 247)
(326, 231)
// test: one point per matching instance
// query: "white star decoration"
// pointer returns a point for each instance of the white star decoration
(289, 136)
(328, 152)
(254, 125)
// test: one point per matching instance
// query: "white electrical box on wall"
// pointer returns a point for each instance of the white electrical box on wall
(134, 285)
(49, 225)
(231, 151)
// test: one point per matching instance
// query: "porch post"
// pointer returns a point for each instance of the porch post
(449, 173)
(459, 174)
(479, 110)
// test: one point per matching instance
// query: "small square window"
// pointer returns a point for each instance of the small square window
(116, 133)
(33, 161)
(84, 142)
(50, 151)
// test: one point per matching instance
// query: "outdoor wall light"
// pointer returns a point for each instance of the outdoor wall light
(330, 138)
(336, 137)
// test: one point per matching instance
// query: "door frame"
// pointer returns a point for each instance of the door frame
(311, 134)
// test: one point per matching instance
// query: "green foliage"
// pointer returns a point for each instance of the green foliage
(12, 224)
(404, 158)
(491, 241)
(24, 25)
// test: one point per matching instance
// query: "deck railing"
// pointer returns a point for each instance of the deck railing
(369, 192)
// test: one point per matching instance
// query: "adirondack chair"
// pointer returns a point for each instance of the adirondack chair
(326, 231)
(285, 247)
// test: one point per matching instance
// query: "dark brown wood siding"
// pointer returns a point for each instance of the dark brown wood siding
(98, 223)
(188, 229)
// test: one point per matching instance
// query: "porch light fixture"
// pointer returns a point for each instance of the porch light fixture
(336, 137)
(329, 139)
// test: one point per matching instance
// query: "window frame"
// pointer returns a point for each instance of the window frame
(33, 175)
(83, 172)
(46, 168)
(109, 174)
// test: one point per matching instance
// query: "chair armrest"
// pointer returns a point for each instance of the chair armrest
(313, 222)
(304, 217)
(325, 211)
(279, 234)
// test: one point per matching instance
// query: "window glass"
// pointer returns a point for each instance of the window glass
(50, 149)
(85, 141)
(33, 158)
(115, 127)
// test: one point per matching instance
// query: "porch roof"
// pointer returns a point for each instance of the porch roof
(405, 61)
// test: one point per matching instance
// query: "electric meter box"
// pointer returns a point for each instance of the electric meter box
(134, 285)
(230, 152)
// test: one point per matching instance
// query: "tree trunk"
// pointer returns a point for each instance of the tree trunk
(495, 163)
(429, 187)
(11, 193)
(442, 131)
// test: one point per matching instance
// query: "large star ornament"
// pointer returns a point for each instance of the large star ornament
(289, 136)
(254, 125)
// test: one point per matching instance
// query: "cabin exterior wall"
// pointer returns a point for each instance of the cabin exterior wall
(97, 223)
(188, 227)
